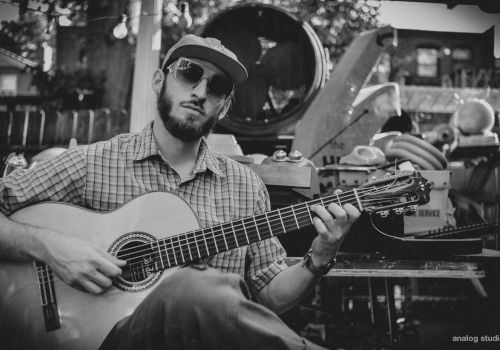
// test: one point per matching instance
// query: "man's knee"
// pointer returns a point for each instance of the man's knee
(205, 290)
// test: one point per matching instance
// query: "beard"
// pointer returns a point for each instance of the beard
(185, 130)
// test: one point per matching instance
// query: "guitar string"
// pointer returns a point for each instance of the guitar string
(185, 244)
(196, 239)
(134, 265)
(220, 233)
(264, 220)
(219, 228)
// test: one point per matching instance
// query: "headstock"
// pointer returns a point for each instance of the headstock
(399, 193)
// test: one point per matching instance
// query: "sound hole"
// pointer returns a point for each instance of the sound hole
(141, 261)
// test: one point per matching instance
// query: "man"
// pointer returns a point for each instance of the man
(196, 307)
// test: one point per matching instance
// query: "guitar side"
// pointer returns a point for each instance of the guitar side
(85, 319)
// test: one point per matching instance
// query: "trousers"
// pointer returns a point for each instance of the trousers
(203, 309)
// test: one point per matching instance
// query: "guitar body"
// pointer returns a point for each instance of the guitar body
(84, 319)
(153, 233)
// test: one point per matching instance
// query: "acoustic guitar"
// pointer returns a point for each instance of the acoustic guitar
(155, 233)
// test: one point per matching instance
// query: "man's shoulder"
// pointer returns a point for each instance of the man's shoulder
(116, 142)
(231, 167)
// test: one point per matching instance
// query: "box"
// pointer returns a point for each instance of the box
(436, 213)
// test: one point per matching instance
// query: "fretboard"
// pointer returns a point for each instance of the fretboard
(198, 244)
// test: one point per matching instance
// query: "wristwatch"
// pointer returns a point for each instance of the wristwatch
(317, 270)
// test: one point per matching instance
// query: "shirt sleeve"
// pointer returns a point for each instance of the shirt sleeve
(267, 257)
(61, 178)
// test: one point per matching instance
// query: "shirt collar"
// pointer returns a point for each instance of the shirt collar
(207, 158)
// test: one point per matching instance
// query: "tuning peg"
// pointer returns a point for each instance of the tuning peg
(410, 210)
(399, 211)
(384, 213)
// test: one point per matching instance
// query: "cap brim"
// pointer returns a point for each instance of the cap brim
(235, 70)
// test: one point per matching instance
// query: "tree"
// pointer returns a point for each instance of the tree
(336, 22)
(110, 63)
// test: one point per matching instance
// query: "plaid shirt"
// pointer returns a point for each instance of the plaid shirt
(105, 175)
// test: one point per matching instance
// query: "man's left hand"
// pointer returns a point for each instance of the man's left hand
(332, 224)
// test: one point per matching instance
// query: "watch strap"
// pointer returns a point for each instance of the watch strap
(317, 270)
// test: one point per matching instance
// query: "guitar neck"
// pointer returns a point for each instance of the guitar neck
(180, 249)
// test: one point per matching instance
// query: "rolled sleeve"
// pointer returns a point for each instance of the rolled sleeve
(61, 178)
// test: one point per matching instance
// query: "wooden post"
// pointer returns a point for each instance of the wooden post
(143, 107)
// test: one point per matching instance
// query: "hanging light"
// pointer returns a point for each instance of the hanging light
(120, 30)
(64, 21)
(185, 19)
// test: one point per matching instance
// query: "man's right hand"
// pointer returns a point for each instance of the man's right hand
(79, 263)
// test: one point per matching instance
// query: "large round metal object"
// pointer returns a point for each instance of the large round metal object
(474, 117)
(285, 60)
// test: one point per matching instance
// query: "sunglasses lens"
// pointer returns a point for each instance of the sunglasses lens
(189, 74)
(220, 86)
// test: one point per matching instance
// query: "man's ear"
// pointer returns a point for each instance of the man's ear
(158, 79)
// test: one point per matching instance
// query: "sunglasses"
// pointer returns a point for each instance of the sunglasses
(190, 74)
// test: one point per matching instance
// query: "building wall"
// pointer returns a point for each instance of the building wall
(23, 82)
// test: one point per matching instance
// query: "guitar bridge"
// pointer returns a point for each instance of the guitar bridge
(48, 296)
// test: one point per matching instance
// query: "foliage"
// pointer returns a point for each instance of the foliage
(33, 27)
(27, 34)
(336, 22)
(69, 90)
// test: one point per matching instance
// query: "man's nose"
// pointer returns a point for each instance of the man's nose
(201, 89)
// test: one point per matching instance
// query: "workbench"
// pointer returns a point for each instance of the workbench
(458, 267)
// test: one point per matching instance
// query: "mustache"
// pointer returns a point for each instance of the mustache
(196, 103)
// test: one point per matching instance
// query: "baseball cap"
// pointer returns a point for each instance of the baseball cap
(208, 49)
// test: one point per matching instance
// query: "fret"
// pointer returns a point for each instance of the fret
(230, 239)
(281, 220)
(288, 222)
(173, 251)
(159, 253)
(224, 236)
(215, 241)
(275, 223)
(245, 230)
(338, 199)
(295, 217)
(180, 248)
(269, 225)
(257, 229)
(205, 241)
(251, 229)
(195, 237)
(263, 226)
(322, 203)
(166, 252)
(357, 199)
(188, 247)
(308, 212)
(234, 234)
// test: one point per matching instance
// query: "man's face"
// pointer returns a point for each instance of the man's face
(189, 113)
